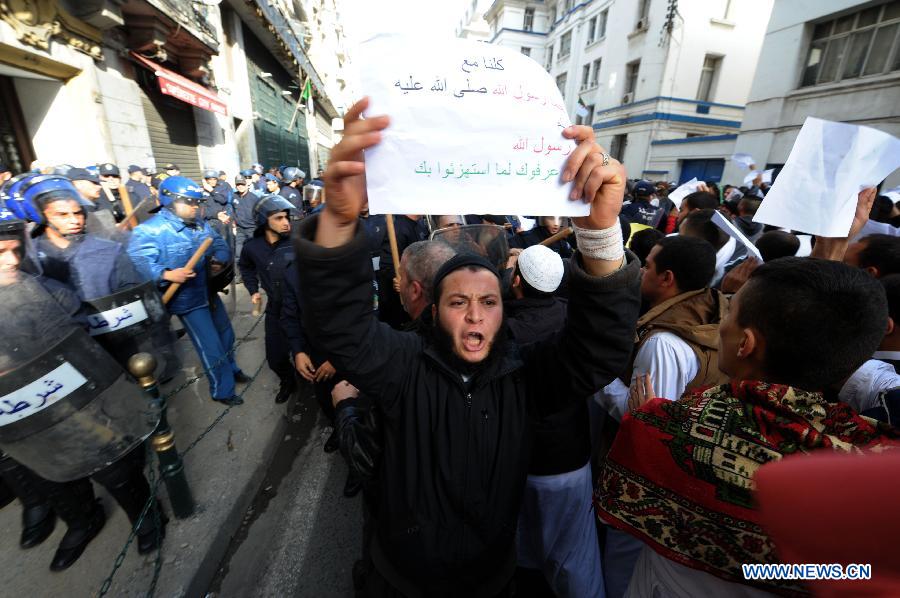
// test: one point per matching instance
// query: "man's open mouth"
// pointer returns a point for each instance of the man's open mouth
(473, 341)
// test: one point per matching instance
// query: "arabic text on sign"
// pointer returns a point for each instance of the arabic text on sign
(116, 318)
(40, 394)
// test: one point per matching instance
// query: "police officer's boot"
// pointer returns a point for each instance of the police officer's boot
(125, 481)
(38, 518)
(6, 495)
(75, 504)
(288, 385)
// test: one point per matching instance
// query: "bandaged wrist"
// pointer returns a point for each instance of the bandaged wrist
(605, 244)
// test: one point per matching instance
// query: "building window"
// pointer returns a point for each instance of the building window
(632, 69)
(585, 75)
(528, 25)
(709, 76)
(588, 116)
(525, 50)
(561, 84)
(568, 6)
(565, 45)
(549, 57)
(617, 147)
(592, 25)
(601, 24)
(553, 16)
(643, 14)
(595, 73)
(855, 45)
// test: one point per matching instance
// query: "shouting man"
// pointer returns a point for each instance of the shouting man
(459, 401)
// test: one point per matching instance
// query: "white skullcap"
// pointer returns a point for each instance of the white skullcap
(541, 267)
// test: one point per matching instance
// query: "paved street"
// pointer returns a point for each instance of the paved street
(301, 536)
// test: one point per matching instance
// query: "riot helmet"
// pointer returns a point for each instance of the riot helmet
(179, 189)
(291, 174)
(12, 196)
(312, 196)
(271, 204)
(485, 240)
(41, 192)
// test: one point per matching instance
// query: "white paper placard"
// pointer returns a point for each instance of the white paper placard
(767, 176)
(745, 161)
(732, 231)
(830, 163)
(683, 191)
(475, 129)
(116, 318)
(40, 394)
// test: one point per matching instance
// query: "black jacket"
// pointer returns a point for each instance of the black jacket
(264, 264)
(562, 440)
(456, 455)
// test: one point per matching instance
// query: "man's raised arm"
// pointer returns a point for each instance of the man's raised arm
(335, 270)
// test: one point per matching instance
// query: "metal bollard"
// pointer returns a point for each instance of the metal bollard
(171, 466)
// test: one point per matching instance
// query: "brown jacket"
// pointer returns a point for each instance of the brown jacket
(694, 317)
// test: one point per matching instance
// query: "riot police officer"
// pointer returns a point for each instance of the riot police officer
(90, 265)
(244, 216)
(110, 180)
(160, 248)
(125, 313)
(108, 431)
(137, 189)
(291, 182)
(263, 262)
(218, 210)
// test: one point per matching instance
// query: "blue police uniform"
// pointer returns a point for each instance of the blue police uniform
(93, 267)
(165, 242)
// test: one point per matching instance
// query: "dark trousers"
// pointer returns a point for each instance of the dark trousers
(278, 351)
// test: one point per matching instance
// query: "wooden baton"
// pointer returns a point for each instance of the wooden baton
(130, 218)
(562, 234)
(191, 263)
(392, 238)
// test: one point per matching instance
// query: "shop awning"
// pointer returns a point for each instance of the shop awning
(182, 88)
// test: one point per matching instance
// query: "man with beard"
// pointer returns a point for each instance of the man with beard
(263, 262)
(459, 404)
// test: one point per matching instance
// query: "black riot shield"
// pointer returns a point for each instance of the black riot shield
(487, 240)
(67, 409)
(132, 321)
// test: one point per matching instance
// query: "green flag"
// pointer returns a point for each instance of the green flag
(307, 91)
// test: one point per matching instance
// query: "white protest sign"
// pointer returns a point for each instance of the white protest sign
(767, 176)
(732, 231)
(683, 191)
(745, 161)
(751, 176)
(475, 129)
(829, 165)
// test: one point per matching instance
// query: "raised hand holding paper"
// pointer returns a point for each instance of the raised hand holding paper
(745, 161)
(829, 165)
(475, 129)
(683, 191)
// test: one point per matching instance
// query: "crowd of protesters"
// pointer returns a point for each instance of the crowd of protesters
(526, 405)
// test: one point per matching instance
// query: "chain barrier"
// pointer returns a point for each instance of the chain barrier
(155, 482)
